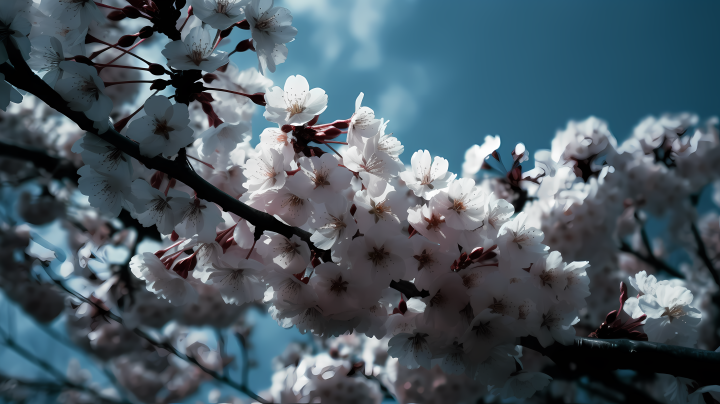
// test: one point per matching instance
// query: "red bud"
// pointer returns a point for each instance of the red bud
(126, 40)
(136, 3)
(157, 179)
(116, 15)
(156, 69)
(286, 128)
(341, 124)
(185, 265)
(209, 78)
(159, 84)
(243, 45)
(313, 121)
(476, 253)
(331, 133)
(258, 98)
(84, 60)
(244, 24)
(353, 209)
(226, 32)
(131, 12)
(146, 32)
(174, 236)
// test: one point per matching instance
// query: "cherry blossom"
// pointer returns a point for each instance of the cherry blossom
(238, 279)
(219, 14)
(426, 179)
(14, 28)
(296, 104)
(271, 29)
(46, 55)
(153, 207)
(196, 51)
(162, 281)
(85, 91)
(164, 129)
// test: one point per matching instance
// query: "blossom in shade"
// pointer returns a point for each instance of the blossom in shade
(219, 14)
(46, 56)
(196, 52)
(162, 281)
(154, 207)
(237, 279)
(105, 191)
(14, 28)
(199, 217)
(164, 129)
(85, 92)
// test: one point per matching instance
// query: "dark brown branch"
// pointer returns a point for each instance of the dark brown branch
(613, 354)
(57, 167)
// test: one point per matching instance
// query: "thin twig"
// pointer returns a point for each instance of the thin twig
(164, 345)
(702, 252)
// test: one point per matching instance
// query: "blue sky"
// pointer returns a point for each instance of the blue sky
(448, 73)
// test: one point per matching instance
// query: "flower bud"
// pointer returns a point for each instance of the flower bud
(136, 3)
(286, 128)
(259, 99)
(353, 209)
(313, 121)
(84, 60)
(146, 32)
(126, 40)
(223, 68)
(116, 15)
(209, 78)
(131, 12)
(244, 24)
(159, 84)
(331, 133)
(226, 32)
(174, 236)
(243, 45)
(157, 179)
(341, 124)
(476, 253)
(156, 69)
(185, 265)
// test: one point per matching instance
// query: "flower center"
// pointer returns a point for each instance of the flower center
(423, 259)
(378, 209)
(438, 299)
(162, 129)
(434, 222)
(482, 329)
(458, 206)
(338, 286)
(673, 313)
(377, 256)
(320, 178)
(295, 109)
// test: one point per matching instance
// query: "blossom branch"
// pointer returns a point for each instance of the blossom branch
(21, 76)
(614, 354)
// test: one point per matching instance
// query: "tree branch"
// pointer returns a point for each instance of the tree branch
(651, 260)
(591, 354)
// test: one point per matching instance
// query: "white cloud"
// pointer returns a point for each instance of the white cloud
(399, 104)
(352, 26)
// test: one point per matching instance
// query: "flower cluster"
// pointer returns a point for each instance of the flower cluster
(408, 273)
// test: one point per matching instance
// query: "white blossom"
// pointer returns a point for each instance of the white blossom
(196, 51)
(296, 104)
(164, 128)
(271, 28)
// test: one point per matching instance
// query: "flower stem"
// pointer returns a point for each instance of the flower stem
(118, 48)
(114, 83)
